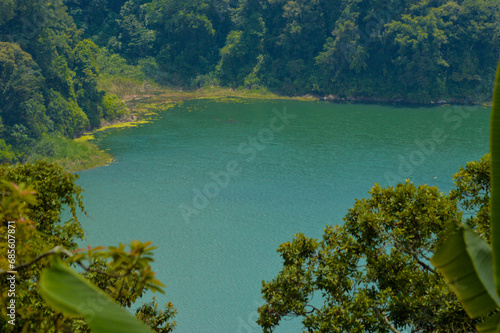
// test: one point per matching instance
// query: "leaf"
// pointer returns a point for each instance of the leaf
(465, 261)
(495, 178)
(67, 292)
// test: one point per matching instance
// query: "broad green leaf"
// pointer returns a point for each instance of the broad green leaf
(489, 325)
(465, 262)
(495, 178)
(66, 291)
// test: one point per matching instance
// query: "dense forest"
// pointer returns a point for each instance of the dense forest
(52, 54)
(408, 50)
(56, 61)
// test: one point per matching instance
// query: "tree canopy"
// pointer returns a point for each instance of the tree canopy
(393, 50)
(48, 76)
(373, 273)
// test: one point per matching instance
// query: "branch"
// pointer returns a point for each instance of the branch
(314, 309)
(423, 264)
(56, 250)
(91, 270)
(381, 315)
(414, 254)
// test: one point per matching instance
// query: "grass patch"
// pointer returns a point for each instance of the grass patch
(72, 155)
(161, 99)
(90, 136)
(126, 87)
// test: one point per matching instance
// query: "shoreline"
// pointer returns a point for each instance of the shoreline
(149, 101)
(399, 101)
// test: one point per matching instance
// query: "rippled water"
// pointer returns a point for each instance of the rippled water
(218, 185)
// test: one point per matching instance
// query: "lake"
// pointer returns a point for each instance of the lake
(218, 185)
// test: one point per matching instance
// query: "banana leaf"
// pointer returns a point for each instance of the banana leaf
(465, 261)
(68, 292)
(489, 325)
(495, 178)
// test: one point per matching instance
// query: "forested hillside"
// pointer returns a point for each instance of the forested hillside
(403, 49)
(48, 77)
(52, 53)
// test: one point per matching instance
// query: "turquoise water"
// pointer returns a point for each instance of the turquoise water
(217, 186)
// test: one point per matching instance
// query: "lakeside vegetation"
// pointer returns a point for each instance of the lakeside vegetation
(66, 67)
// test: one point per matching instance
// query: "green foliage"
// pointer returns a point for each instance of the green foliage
(415, 52)
(66, 291)
(136, 40)
(69, 119)
(6, 153)
(122, 275)
(469, 265)
(185, 35)
(128, 275)
(113, 107)
(84, 59)
(472, 190)
(55, 78)
(465, 262)
(233, 56)
(373, 273)
(6, 10)
(155, 318)
(55, 189)
(70, 154)
(21, 90)
(240, 54)
(48, 77)
(89, 97)
(420, 40)
(38, 228)
(117, 66)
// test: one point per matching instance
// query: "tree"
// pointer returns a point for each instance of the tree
(136, 39)
(6, 10)
(295, 32)
(6, 153)
(186, 37)
(472, 190)
(373, 273)
(420, 40)
(91, 14)
(240, 54)
(43, 239)
(69, 119)
(344, 53)
(407, 50)
(48, 75)
(21, 86)
(89, 97)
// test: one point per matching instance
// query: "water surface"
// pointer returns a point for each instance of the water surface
(217, 232)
